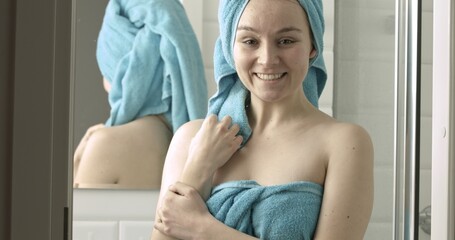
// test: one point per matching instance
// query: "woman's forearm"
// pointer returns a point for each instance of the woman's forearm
(157, 235)
(198, 176)
(211, 229)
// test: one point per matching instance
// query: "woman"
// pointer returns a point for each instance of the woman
(299, 174)
(152, 66)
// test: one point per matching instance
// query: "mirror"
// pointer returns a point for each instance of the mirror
(131, 153)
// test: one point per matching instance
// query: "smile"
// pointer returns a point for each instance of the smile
(270, 77)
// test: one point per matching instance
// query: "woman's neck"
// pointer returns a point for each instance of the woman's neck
(264, 116)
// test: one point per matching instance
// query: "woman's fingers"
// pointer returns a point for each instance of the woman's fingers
(215, 142)
(210, 120)
(181, 189)
(159, 225)
(234, 129)
(226, 122)
(238, 140)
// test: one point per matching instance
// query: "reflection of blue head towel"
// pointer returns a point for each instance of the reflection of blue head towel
(231, 95)
(287, 211)
(148, 51)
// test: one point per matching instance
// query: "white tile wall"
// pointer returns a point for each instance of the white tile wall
(135, 230)
(95, 230)
(113, 214)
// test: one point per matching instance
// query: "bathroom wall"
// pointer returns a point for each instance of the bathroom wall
(364, 94)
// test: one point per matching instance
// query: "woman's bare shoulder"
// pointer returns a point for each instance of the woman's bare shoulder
(338, 132)
(338, 136)
(342, 131)
(190, 128)
(186, 132)
(348, 142)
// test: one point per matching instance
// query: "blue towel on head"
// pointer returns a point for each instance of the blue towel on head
(149, 53)
(288, 211)
(231, 94)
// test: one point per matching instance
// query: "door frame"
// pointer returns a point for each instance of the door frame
(40, 188)
(443, 139)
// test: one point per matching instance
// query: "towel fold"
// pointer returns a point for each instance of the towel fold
(231, 95)
(288, 211)
(149, 53)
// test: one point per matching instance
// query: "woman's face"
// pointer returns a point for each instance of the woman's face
(272, 48)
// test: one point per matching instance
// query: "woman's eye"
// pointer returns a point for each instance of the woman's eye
(285, 42)
(250, 42)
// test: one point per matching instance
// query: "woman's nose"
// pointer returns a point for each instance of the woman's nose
(268, 55)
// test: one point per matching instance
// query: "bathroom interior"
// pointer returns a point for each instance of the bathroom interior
(361, 55)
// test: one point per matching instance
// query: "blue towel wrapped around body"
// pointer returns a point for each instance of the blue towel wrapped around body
(231, 96)
(288, 211)
(149, 53)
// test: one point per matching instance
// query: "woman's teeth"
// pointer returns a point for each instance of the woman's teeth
(269, 77)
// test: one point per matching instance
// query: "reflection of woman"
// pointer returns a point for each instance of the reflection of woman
(153, 71)
(284, 169)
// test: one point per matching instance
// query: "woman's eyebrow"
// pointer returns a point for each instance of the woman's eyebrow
(246, 28)
(289, 29)
(283, 30)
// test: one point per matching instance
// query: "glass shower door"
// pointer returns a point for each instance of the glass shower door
(368, 91)
(364, 92)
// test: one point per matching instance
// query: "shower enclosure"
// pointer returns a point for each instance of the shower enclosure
(384, 75)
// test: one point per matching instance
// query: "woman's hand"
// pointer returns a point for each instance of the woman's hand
(81, 147)
(215, 142)
(182, 214)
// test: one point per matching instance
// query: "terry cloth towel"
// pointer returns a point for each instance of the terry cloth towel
(149, 53)
(231, 94)
(288, 211)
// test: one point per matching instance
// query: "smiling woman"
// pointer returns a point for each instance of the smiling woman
(267, 164)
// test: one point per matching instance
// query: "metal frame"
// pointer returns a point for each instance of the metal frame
(407, 127)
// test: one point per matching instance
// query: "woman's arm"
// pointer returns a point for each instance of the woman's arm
(194, 220)
(174, 165)
(197, 150)
(348, 187)
(212, 146)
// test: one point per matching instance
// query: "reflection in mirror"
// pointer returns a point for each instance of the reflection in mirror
(153, 79)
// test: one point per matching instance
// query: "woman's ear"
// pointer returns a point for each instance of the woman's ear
(313, 53)
(106, 85)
